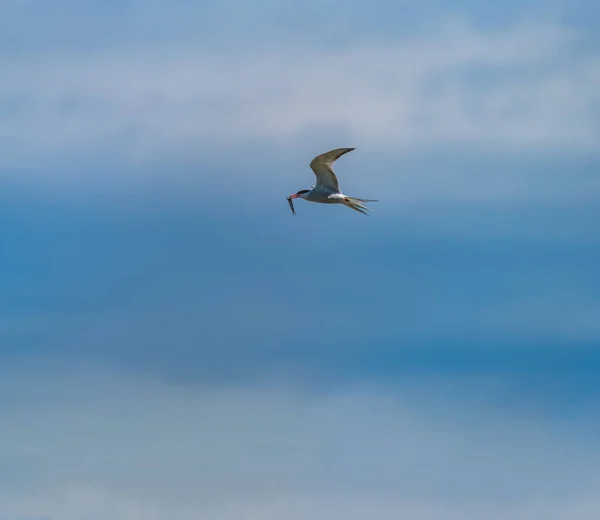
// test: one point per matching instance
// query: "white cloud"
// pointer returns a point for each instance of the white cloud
(111, 446)
(526, 87)
(89, 504)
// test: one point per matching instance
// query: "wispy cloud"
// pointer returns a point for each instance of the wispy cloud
(102, 445)
(524, 87)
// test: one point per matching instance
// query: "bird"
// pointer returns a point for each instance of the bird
(327, 188)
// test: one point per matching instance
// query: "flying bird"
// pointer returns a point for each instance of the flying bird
(327, 189)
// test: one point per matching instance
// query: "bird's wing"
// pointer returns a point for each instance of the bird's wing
(322, 165)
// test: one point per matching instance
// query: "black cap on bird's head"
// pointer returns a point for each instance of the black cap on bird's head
(298, 193)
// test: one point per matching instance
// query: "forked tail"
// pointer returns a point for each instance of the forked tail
(355, 204)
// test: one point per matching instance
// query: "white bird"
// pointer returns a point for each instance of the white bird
(327, 189)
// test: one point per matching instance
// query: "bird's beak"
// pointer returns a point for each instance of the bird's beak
(294, 196)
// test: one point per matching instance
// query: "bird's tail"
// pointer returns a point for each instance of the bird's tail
(355, 204)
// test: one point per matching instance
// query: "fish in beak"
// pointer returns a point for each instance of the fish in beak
(289, 199)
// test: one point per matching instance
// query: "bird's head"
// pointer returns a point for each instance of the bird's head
(299, 195)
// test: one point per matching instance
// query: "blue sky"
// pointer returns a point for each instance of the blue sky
(175, 344)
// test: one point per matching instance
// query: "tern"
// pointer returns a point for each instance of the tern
(327, 189)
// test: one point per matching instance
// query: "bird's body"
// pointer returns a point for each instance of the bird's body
(327, 188)
(324, 196)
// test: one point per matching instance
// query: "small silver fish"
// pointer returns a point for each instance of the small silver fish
(289, 199)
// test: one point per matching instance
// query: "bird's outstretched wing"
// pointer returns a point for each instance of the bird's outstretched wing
(322, 165)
